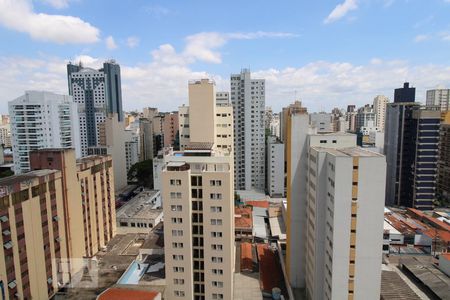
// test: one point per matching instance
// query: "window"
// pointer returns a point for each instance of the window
(177, 257)
(215, 182)
(217, 259)
(175, 182)
(196, 180)
(216, 221)
(175, 195)
(178, 281)
(217, 271)
(215, 196)
(177, 232)
(218, 284)
(217, 247)
(177, 245)
(178, 269)
(176, 221)
(179, 293)
(217, 296)
(176, 208)
(216, 209)
(216, 234)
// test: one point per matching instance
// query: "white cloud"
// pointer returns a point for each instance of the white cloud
(445, 35)
(162, 81)
(110, 43)
(341, 10)
(59, 4)
(132, 41)
(421, 38)
(19, 15)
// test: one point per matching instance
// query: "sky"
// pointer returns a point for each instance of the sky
(327, 53)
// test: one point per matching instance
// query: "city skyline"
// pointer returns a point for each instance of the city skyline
(158, 56)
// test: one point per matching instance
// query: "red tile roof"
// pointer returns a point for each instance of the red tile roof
(246, 257)
(424, 217)
(270, 271)
(243, 218)
(128, 294)
(262, 204)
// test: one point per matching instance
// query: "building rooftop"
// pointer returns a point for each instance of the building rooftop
(146, 204)
(11, 180)
(120, 293)
(243, 218)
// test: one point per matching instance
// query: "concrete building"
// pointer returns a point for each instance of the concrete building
(364, 117)
(89, 199)
(268, 116)
(222, 98)
(443, 178)
(275, 167)
(379, 107)
(140, 214)
(42, 120)
(344, 219)
(97, 93)
(399, 148)
(440, 98)
(275, 126)
(198, 205)
(131, 149)
(248, 99)
(112, 141)
(321, 121)
(34, 235)
(220, 112)
(295, 107)
(5, 135)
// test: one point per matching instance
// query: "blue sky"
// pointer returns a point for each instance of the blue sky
(327, 53)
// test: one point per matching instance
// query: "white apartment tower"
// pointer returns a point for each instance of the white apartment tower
(248, 99)
(344, 225)
(440, 98)
(335, 194)
(198, 204)
(379, 106)
(42, 120)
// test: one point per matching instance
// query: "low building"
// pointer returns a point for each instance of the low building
(140, 214)
(391, 236)
(243, 224)
(444, 263)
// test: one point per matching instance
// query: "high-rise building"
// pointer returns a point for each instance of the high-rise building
(220, 111)
(33, 218)
(88, 187)
(440, 98)
(399, 148)
(198, 202)
(411, 146)
(42, 120)
(344, 226)
(321, 121)
(268, 116)
(379, 107)
(364, 117)
(275, 167)
(248, 98)
(443, 178)
(295, 107)
(5, 135)
(333, 184)
(98, 93)
(405, 94)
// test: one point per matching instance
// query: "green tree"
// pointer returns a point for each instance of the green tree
(142, 172)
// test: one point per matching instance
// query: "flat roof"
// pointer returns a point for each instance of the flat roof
(349, 151)
(10, 180)
(388, 226)
(116, 293)
(145, 205)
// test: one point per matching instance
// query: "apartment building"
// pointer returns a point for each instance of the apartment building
(98, 93)
(89, 195)
(344, 215)
(5, 135)
(275, 167)
(248, 97)
(222, 116)
(42, 120)
(379, 106)
(32, 220)
(439, 98)
(198, 204)
(443, 178)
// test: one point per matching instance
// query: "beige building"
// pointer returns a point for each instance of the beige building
(32, 219)
(379, 107)
(89, 196)
(198, 205)
(218, 113)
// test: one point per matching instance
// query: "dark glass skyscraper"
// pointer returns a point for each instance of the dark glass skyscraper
(405, 94)
(113, 88)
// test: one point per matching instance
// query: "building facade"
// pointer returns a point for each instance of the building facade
(443, 179)
(275, 167)
(322, 122)
(440, 98)
(198, 205)
(42, 120)
(379, 107)
(97, 93)
(248, 99)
